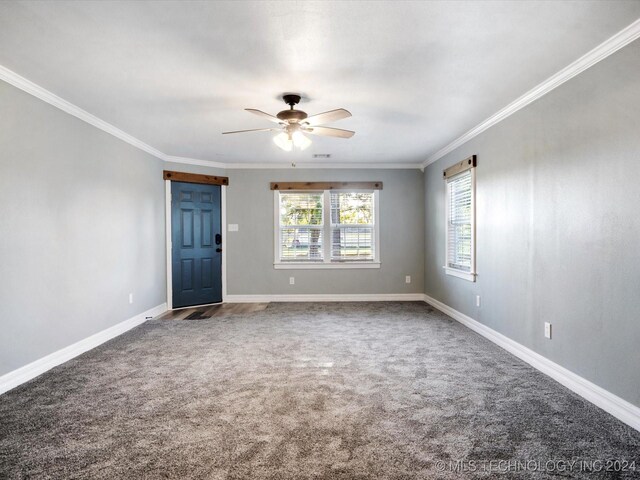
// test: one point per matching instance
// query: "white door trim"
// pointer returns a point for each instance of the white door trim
(167, 220)
(223, 229)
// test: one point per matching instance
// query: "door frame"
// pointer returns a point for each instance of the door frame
(223, 222)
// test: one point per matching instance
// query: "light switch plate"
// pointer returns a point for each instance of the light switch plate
(547, 330)
(233, 227)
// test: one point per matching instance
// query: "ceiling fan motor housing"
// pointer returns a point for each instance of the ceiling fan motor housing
(292, 115)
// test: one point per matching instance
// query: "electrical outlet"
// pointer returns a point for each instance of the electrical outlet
(407, 279)
(477, 300)
(547, 330)
(292, 280)
(131, 298)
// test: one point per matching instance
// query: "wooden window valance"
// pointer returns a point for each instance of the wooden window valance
(460, 167)
(326, 185)
(194, 178)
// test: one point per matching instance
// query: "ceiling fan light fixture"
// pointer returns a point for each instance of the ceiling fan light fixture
(300, 140)
(283, 141)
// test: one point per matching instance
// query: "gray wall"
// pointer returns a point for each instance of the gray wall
(82, 225)
(557, 226)
(250, 250)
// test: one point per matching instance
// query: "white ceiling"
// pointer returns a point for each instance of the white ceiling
(415, 75)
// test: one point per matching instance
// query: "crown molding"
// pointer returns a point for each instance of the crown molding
(602, 51)
(28, 86)
(45, 95)
(195, 161)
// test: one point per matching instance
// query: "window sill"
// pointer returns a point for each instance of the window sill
(325, 266)
(471, 277)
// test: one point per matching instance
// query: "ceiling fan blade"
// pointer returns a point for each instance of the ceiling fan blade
(260, 113)
(328, 117)
(254, 130)
(329, 132)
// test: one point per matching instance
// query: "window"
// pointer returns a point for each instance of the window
(326, 229)
(352, 226)
(301, 226)
(460, 229)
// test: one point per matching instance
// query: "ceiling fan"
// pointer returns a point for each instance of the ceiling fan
(295, 123)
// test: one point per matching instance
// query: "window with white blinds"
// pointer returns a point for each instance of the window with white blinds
(301, 227)
(352, 226)
(460, 257)
(328, 229)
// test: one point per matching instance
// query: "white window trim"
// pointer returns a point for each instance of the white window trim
(326, 231)
(454, 272)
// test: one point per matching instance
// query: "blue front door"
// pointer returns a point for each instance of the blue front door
(196, 244)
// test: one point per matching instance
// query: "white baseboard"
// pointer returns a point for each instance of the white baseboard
(607, 401)
(23, 374)
(337, 297)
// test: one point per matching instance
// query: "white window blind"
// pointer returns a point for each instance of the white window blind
(301, 226)
(352, 226)
(460, 222)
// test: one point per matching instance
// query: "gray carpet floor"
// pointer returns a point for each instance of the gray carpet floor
(306, 391)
